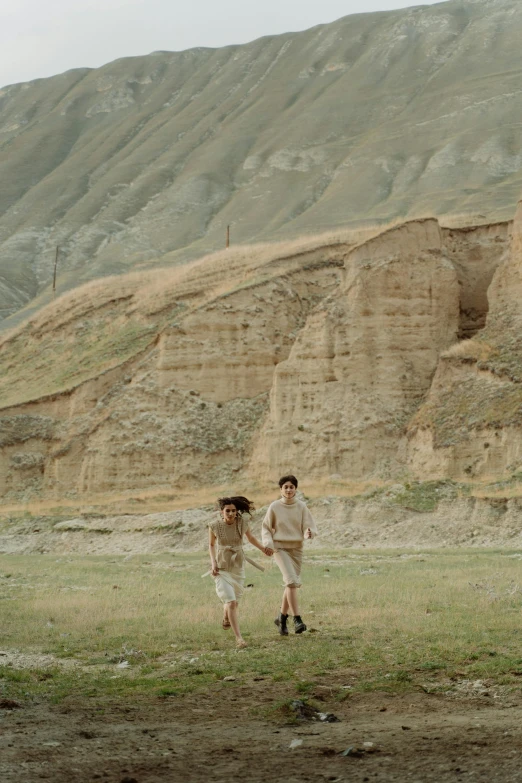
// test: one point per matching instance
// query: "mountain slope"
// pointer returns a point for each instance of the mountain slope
(145, 161)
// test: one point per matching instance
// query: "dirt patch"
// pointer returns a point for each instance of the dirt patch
(19, 660)
(227, 733)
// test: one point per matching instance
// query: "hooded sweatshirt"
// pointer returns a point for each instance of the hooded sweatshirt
(285, 524)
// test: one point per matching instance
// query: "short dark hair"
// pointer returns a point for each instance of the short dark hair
(291, 479)
(241, 503)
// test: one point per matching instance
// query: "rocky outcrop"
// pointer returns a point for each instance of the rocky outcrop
(364, 360)
(471, 423)
(247, 364)
(185, 407)
(229, 348)
(475, 254)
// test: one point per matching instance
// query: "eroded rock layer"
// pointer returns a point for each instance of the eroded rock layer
(342, 361)
(365, 358)
(471, 423)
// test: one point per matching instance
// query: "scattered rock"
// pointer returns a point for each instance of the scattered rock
(353, 752)
(302, 710)
(328, 717)
(307, 712)
(296, 743)
(71, 525)
(230, 678)
(368, 747)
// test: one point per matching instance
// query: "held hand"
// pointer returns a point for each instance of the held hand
(308, 533)
(214, 570)
(268, 552)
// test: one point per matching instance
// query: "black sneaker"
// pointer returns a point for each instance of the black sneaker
(299, 626)
(280, 621)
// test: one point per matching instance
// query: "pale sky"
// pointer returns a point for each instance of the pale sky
(44, 37)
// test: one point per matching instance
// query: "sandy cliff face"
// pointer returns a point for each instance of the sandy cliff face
(471, 422)
(252, 363)
(364, 360)
(475, 253)
(183, 409)
(229, 349)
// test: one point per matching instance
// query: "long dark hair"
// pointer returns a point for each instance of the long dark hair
(242, 504)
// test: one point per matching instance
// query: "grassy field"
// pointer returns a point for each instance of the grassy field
(378, 621)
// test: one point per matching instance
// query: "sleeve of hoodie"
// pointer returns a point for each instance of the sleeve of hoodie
(267, 528)
(309, 522)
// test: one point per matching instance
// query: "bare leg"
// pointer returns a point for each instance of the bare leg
(232, 610)
(291, 600)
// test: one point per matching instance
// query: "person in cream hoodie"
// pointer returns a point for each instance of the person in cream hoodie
(285, 526)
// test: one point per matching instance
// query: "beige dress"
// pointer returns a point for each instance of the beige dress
(230, 558)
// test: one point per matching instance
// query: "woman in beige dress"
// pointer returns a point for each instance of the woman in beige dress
(228, 563)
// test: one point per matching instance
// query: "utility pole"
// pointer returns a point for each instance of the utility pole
(54, 275)
(227, 243)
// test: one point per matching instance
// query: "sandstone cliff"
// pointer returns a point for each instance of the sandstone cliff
(364, 360)
(264, 359)
(471, 423)
(144, 162)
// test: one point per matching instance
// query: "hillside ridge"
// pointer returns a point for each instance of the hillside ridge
(144, 162)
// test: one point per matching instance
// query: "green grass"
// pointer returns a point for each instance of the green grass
(475, 405)
(503, 335)
(391, 622)
(425, 495)
(35, 368)
(480, 404)
(419, 495)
